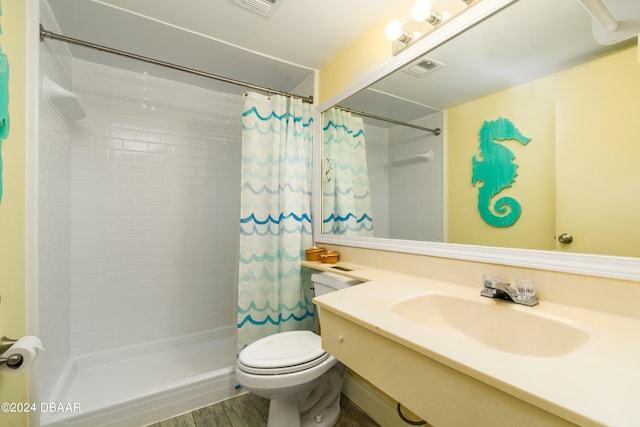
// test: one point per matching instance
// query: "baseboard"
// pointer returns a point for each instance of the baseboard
(380, 407)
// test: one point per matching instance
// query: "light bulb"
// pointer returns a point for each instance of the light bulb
(421, 10)
(393, 30)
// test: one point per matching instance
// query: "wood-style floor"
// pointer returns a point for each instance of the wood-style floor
(248, 410)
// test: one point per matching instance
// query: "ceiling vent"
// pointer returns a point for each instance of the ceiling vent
(423, 67)
(262, 7)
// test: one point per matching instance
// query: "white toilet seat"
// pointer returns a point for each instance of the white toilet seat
(284, 369)
(282, 353)
(282, 361)
(302, 381)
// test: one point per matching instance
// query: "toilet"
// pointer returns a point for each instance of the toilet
(302, 381)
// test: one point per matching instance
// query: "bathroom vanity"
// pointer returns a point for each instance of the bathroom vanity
(422, 333)
(455, 358)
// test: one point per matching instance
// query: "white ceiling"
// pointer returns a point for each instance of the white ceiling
(281, 52)
(219, 37)
(304, 32)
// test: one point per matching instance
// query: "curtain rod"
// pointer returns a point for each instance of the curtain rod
(435, 131)
(44, 34)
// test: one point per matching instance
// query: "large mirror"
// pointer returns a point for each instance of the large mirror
(532, 85)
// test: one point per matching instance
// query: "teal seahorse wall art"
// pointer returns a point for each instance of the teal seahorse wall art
(495, 170)
(4, 102)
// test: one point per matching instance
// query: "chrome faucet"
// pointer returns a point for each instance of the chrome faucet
(493, 288)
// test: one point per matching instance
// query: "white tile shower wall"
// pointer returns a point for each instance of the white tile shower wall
(54, 195)
(416, 191)
(155, 179)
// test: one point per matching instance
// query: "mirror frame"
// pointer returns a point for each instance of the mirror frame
(614, 267)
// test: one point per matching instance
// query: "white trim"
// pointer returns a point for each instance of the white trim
(445, 175)
(316, 86)
(31, 190)
(585, 264)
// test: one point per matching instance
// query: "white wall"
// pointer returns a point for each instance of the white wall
(155, 178)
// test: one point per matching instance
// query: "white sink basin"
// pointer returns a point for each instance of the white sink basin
(500, 325)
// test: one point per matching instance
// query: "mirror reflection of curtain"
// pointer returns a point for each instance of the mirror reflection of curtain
(274, 291)
(346, 202)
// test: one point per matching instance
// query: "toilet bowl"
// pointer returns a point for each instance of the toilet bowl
(302, 381)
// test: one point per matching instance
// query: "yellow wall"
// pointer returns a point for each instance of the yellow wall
(368, 52)
(531, 109)
(12, 207)
(580, 121)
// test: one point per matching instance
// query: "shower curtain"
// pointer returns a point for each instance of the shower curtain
(274, 292)
(346, 203)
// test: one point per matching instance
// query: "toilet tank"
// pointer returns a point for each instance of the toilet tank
(328, 282)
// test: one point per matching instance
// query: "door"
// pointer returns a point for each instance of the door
(598, 157)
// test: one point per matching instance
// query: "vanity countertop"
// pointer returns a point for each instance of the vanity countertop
(597, 383)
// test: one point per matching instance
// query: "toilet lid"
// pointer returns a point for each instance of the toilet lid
(283, 352)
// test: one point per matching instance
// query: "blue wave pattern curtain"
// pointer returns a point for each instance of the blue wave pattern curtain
(274, 292)
(346, 203)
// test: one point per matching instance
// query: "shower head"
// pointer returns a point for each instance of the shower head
(65, 102)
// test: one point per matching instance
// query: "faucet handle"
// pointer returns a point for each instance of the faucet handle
(491, 278)
(526, 288)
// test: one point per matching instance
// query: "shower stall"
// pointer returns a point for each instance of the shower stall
(138, 201)
(398, 157)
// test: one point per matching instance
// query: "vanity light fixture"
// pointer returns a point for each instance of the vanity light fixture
(423, 11)
(425, 19)
(395, 31)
